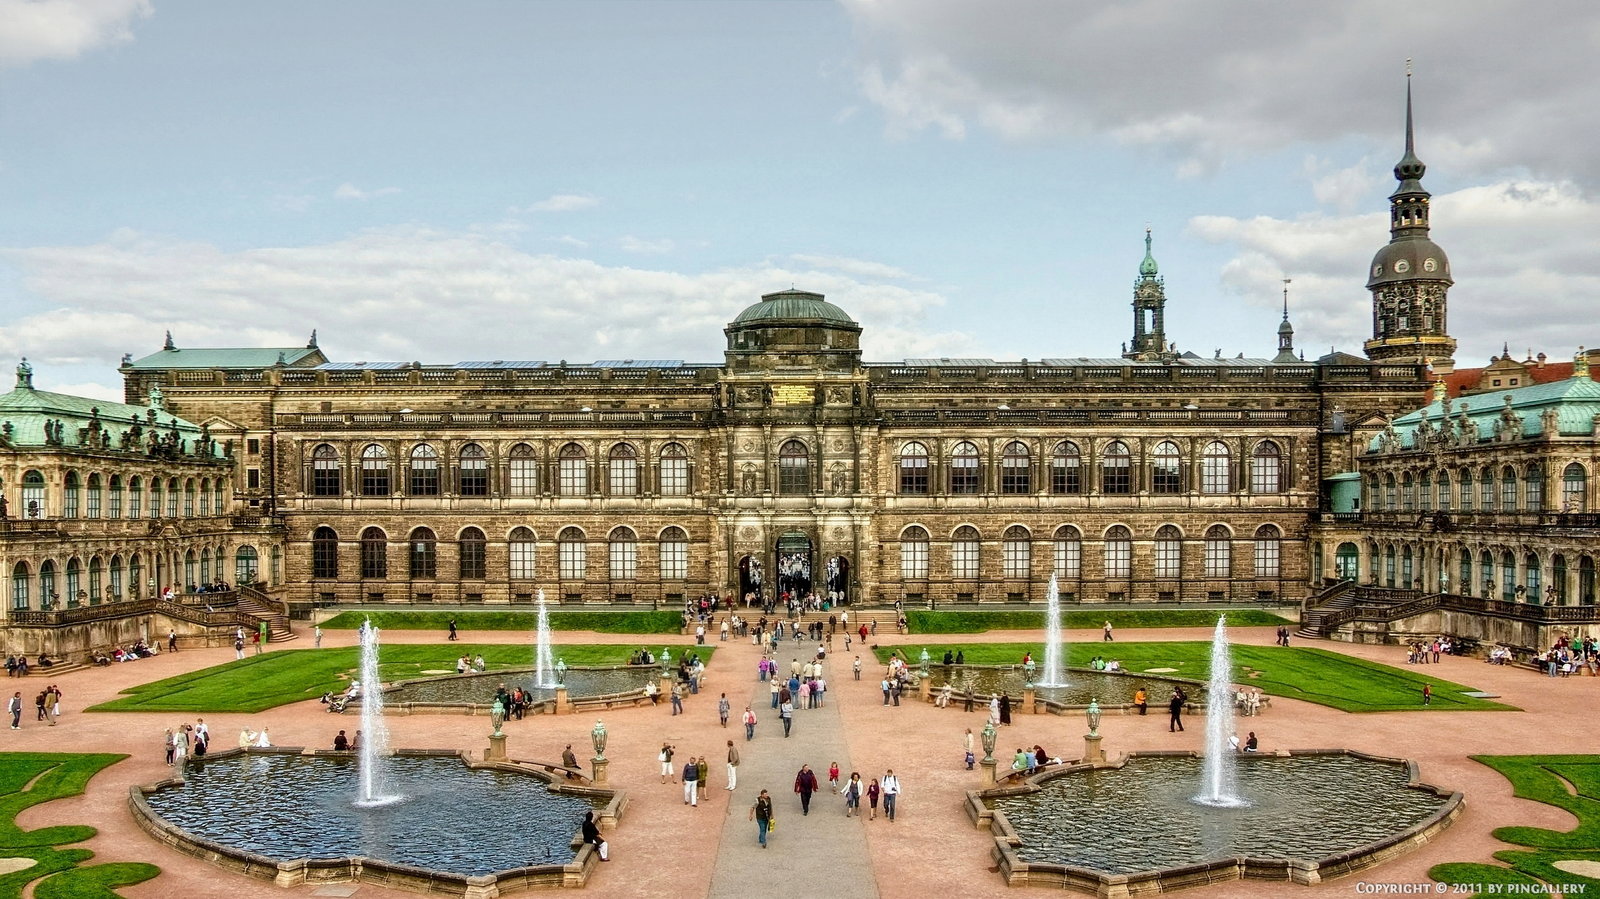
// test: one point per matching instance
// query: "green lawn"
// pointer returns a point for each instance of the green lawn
(29, 778)
(279, 678)
(977, 621)
(1570, 782)
(629, 622)
(1314, 675)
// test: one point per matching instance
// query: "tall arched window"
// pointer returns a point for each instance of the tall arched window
(964, 553)
(155, 497)
(205, 565)
(325, 471)
(1066, 469)
(1216, 468)
(1445, 494)
(624, 470)
(1219, 552)
(1533, 489)
(324, 553)
(1586, 580)
(1389, 575)
(424, 479)
(1533, 577)
(205, 497)
(374, 554)
(424, 553)
(914, 553)
(188, 498)
(524, 471)
(673, 550)
(1391, 492)
(33, 500)
(964, 474)
(1116, 469)
(1068, 552)
(191, 571)
(794, 469)
(572, 554)
(913, 469)
(1558, 577)
(374, 471)
(1464, 585)
(1374, 493)
(1269, 551)
(674, 470)
(1574, 489)
(1508, 576)
(1408, 492)
(1266, 468)
(75, 581)
(1408, 568)
(96, 579)
(114, 588)
(623, 554)
(135, 573)
(172, 497)
(1119, 552)
(20, 582)
(521, 552)
(1425, 492)
(474, 552)
(1016, 552)
(114, 506)
(572, 475)
(95, 496)
(71, 498)
(246, 565)
(473, 478)
(1486, 490)
(216, 496)
(1016, 469)
(1169, 552)
(1166, 468)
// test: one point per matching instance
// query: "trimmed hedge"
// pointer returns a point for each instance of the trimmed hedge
(627, 622)
(922, 621)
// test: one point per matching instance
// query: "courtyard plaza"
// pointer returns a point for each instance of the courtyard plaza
(664, 848)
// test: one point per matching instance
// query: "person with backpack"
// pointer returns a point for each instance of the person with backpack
(761, 813)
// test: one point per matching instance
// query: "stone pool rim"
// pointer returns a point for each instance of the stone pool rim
(1059, 707)
(598, 702)
(362, 869)
(1018, 872)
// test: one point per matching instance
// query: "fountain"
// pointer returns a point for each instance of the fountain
(544, 674)
(1055, 670)
(374, 747)
(1218, 781)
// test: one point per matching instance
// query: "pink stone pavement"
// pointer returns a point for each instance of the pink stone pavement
(666, 849)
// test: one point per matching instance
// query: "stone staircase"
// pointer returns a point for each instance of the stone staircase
(1314, 622)
(256, 604)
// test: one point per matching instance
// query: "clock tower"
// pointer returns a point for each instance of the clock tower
(1410, 277)
(1149, 312)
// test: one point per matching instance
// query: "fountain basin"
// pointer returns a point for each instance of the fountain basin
(464, 828)
(470, 692)
(1111, 688)
(1131, 827)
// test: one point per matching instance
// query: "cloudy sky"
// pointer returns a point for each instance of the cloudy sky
(464, 180)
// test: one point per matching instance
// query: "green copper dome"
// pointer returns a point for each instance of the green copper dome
(793, 306)
(1147, 268)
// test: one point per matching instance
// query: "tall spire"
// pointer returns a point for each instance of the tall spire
(1149, 311)
(1147, 268)
(1285, 331)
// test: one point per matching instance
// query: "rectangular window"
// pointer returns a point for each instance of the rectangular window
(1164, 478)
(964, 559)
(424, 477)
(574, 560)
(574, 477)
(325, 477)
(1508, 495)
(1168, 554)
(524, 477)
(1117, 477)
(1066, 476)
(1532, 497)
(1214, 477)
(914, 475)
(1119, 559)
(252, 479)
(94, 502)
(964, 474)
(1219, 561)
(1015, 476)
(522, 560)
(473, 554)
(914, 560)
(624, 560)
(624, 477)
(1069, 558)
(474, 477)
(1267, 558)
(252, 445)
(1265, 475)
(1016, 558)
(674, 476)
(115, 509)
(674, 560)
(374, 477)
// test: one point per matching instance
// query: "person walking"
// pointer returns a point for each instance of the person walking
(677, 699)
(805, 783)
(691, 783)
(1175, 711)
(703, 770)
(786, 714)
(452, 629)
(966, 746)
(761, 813)
(14, 706)
(733, 765)
(723, 708)
(1427, 694)
(774, 689)
(749, 724)
(172, 640)
(891, 792)
(1106, 632)
(833, 777)
(665, 757)
(316, 637)
(238, 646)
(873, 792)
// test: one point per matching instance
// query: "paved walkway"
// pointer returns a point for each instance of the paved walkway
(808, 855)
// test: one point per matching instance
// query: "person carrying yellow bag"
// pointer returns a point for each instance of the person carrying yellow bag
(761, 813)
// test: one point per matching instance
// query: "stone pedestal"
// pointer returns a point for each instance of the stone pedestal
(599, 770)
(497, 748)
(923, 688)
(561, 701)
(988, 771)
(1092, 753)
(666, 687)
(1028, 696)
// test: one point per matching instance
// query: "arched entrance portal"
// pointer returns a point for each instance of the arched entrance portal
(794, 565)
(1346, 561)
(750, 580)
(837, 581)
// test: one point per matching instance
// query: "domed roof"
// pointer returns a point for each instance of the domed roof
(1411, 259)
(793, 306)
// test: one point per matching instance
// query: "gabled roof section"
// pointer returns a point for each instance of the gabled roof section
(220, 357)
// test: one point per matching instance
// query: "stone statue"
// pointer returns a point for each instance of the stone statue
(838, 479)
(748, 482)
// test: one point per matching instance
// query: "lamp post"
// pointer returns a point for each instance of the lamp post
(598, 738)
(1092, 753)
(989, 736)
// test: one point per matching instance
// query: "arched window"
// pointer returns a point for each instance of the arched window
(1066, 469)
(424, 554)
(1219, 552)
(521, 552)
(1347, 562)
(1166, 468)
(1068, 552)
(1389, 566)
(964, 552)
(1266, 468)
(71, 499)
(1425, 492)
(216, 496)
(573, 471)
(1533, 489)
(473, 549)
(1216, 468)
(674, 471)
(1586, 580)
(473, 477)
(1408, 577)
(172, 497)
(424, 479)
(96, 580)
(1116, 469)
(1408, 492)
(572, 554)
(964, 474)
(1445, 495)
(1169, 552)
(1269, 551)
(1374, 493)
(1508, 576)
(1486, 572)
(374, 554)
(114, 504)
(794, 469)
(20, 586)
(191, 571)
(155, 497)
(1558, 577)
(1508, 489)
(1391, 492)
(1016, 469)
(374, 471)
(114, 589)
(205, 565)
(135, 573)
(674, 553)
(1486, 490)
(1016, 552)
(205, 497)
(75, 581)
(246, 565)
(33, 501)
(623, 554)
(1119, 552)
(914, 553)
(914, 469)
(1464, 585)
(95, 496)
(188, 498)
(1533, 575)
(325, 471)
(324, 553)
(48, 597)
(524, 471)
(1465, 494)
(624, 468)
(1574, 489)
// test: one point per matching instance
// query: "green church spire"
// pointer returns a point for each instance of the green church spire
(1147, 268)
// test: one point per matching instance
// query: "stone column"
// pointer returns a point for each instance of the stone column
(1028, 695)
(599, 770)
(562, 707)
(1092, 753)
(988, 771)
(497, 748)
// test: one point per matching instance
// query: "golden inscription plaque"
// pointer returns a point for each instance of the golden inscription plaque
(792, 395)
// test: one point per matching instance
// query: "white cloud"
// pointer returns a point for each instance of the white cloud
(864, 268)
(565, 203)
(571, 241)
(639, 245)
(91, 389)
(1344, 189)
(31, 30)
(348, 191)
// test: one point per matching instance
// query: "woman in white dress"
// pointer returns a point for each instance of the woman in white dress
(180, 746)
(994, 710)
